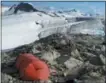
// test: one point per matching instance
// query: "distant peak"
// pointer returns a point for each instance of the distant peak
(74, 10)
(22, 6)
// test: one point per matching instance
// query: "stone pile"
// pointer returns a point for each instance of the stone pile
(76, 58)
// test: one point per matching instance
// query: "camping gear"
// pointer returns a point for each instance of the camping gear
(32, 68)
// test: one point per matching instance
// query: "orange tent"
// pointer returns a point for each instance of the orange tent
(31, 68)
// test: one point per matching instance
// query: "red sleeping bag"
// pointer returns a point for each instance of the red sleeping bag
(31, 68)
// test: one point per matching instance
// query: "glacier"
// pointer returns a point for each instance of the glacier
(27, 27)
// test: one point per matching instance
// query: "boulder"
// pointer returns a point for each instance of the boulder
(75, 53)
(96, 61)
(6, 78)
(103, 48)
(74, 73)
(93, 80)
(72, 63)
(4, 56)
(50, 56)
(62, 59)
(63, 42)
(34, 50)
(103, 59)
(86, 55)
(95, 74)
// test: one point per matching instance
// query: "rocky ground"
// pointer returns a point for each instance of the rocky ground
(76, 58)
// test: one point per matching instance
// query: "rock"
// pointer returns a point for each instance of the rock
(93, 80)
(72, 63)
(9, 70)
(75, 53)
(5, 78)
(50, 55)
(104, 70)
(4, 57)
(75, 72)
(80, 57)
(11, 81)
(93, 47)
(71, 81)
(98, 46)
(49, 81)
(53, 71)
(98, 50)
(82, 42)
(96, 61)
(85, 76)
(34, 50)
(89, 54)
(81, 48)
(90, 67)
(58, 79)
(103, 43)
(103, 48)
(86, 55)
(63, 42)
(62, 59)
(80, 72)
(95, 74)
(103, 59)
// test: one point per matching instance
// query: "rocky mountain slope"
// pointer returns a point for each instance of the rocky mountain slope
(76, 58)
